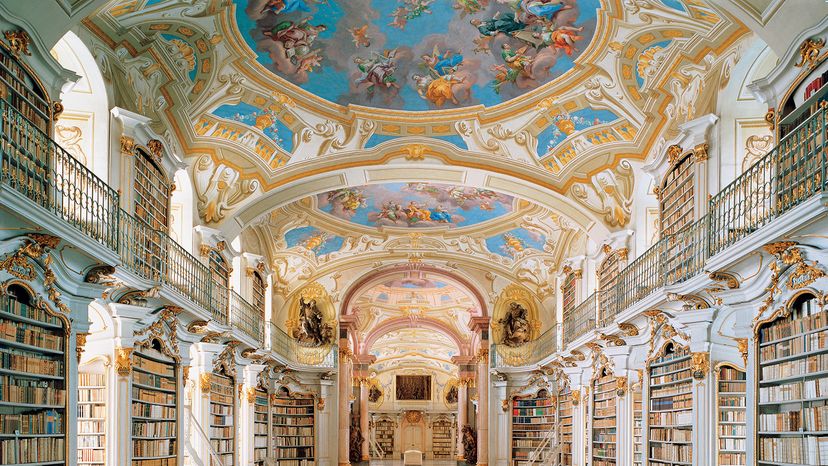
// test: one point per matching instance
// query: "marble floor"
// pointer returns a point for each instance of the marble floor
(425, 463)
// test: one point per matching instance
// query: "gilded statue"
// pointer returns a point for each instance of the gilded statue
(516, 328)
(312, 330)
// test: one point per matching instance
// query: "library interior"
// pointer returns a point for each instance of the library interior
(240, 233)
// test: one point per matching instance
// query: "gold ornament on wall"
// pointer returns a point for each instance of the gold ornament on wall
(621, 386)
(742, 346)
(123, 361)
(19, 42)
(576, 397)
(808, 53)
(700, 365)
(80, 342)
(127, 145)
(204, 383)
(674, 153)
(629, 330)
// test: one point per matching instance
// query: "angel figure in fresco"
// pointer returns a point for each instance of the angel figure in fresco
(400, 18)
(437, 86)
(540, 11)
(284, 6)
(513, 245)
(316, 241)
(440, 214)
(417, 213)
(296, 38)
(417, 8)
(378, 70)
(348, 199)
(517, 64)
(516, 328)
(561, 38)
(393, 212)
(505, 23)
(360, 36)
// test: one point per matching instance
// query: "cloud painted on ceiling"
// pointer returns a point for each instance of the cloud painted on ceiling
(514, 242)
(417, 54)
(313, 239)
(414, 283)
(260, 118)
(566, 124)
(415, 205)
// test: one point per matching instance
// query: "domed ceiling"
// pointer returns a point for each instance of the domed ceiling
(417, 54)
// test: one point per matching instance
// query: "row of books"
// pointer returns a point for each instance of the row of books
(684, 401)
(86, 426)
(152, 396)
(91, 456)
(534, 402)
(283, 410)
(811, 320)
(604, 437)
(281, 430)
(732, 444)
(676, 366)
(92, 394)
(159, 368)
(91, 380)
(732, 401)
(14, 307)
(30, 334)
(92, 410)
(671, 418)
(294, 441)
(814, 418)
(669, 378)
(811, 451)
(782, 349)
(44, 422)
(288, 402)
(671, 435)
(91, 441)
(672, 452)
(798, 367)
(293, 421)
(799, 390)
(731, 386)
(154, 429)
(221, 410)
(732, 430)
(154, 411)
(155, 462)
(533, 420)
(221, 432)
(732, 415)
(608, 423)
(295, 452)
(531, 411)
(158, 447)
(153, 380)
(670, 390)
(31, 450)
(26, 361)
(42, 392)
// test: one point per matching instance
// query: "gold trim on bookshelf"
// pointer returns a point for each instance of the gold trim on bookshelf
(674, 153)
(19, 42)
(700, 152)
(742, 347)
(123, 361)
(127, 145)
(164, 330)
(204, 383)
(727, 278)
(80, 342)
(700, 364)
(621, 385)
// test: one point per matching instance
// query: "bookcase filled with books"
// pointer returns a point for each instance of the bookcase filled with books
(670, 414)
(792, 358)
(92, 414)
(222, 416)
(638, 423)
(604, 419)
(384, 436)
(261, 425)
(442, 438)
(33, 377)
(732, 415)
(293, 423)
(565, 414)
(533, 421)
(154, 408)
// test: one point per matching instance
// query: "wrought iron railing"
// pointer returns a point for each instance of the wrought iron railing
(581, 320)
(281, 343)
(38, 168)
(245, 317)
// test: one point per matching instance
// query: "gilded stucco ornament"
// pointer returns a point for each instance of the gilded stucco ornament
(80, 342)
(612, 340)
(700, 365)
(809, 53)
(621, 385)
(19, 42)
(576, 397)
(204, 383)
(608, 194)
(629, 329)
(127, 145)
(674, 153)
(219, 188)
(727, 278)
(164, 330)
(36, 246)
(123, 361)
(742, 347)
(788, 256)
(415, 152)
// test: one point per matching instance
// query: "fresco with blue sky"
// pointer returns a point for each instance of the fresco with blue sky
(513, 242)
(415, 205)
(263, 119)
(417, 54)
(565, 124)
(314, 239)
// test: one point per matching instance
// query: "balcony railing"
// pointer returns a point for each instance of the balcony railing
(282, 344)
(787, 176)
(245, 317)
(529, 353)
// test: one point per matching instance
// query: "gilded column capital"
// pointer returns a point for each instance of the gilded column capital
(123, 361)
(700, 364)
(204, 383)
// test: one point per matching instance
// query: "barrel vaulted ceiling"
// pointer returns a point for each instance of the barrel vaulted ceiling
(502, 133)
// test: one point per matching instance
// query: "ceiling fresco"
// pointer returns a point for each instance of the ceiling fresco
(417, 54)
(420, 345)
(314, 240)
(415, 205)
(515, 242)
(265, 120)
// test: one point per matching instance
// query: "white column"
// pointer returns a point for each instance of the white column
(345, 382)
(483, 405)
(326, 428)
(363, 416)
(250, 377)
(202, 355)
(462, 402)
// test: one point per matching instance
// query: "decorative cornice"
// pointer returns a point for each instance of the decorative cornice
(612, 340)
(629, 329)
(727, 278)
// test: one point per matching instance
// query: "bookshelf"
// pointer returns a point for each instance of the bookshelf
(565, 424)
(21, 89)
(442, 439)
(154, 408)
(670, 415)
(604, 422)
(33, 377)
(384, 435)
(533, 420)
(638, 423)
(222, 415)
(91, 417)
(261, 423)
(792, 375)
(732, 416)
(677, 196)
(293, 418)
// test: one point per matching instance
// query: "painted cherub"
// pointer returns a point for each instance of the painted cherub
(561, 37)
(360, 36)
(400, 16)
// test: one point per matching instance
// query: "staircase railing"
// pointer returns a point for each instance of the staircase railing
(215, 459)
(548, 449)
(376, 447)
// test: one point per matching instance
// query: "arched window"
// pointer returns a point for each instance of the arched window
(608, 273)
(259, 287)
(676, 203)
(220, 273)
(152, 191)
